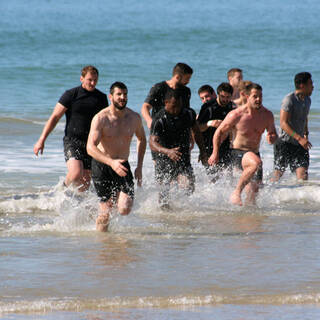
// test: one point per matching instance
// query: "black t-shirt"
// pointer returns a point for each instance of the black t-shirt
(211, 110)
(174, 131)
(82, 105)
(158, 92)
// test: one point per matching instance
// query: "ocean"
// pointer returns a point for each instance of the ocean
(203, 260)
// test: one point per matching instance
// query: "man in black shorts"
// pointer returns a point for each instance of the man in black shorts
(111, 132)
(169, 139)
(79, 104)
(292, 147)
(212, 113)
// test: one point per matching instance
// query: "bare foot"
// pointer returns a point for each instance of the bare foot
(235, 198)
(102, 222)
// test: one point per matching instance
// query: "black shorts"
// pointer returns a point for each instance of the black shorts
(223, 164)
(76, 149)
(108, 183)
(286, 153)
(167, 170)
(236, 159)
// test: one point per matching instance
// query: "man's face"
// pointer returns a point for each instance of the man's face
(89, 81)
(173, 106)
(308, 87)
(206, 96)
(119, 98)
(255, 98)
(224, 98)
(185, 79)
(235, 79)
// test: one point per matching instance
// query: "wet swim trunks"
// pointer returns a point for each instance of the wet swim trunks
(108, 183)
(236, 159)
(76, 149)
(286, 153)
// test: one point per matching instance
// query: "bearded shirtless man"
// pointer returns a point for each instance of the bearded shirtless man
(247, 123)
(109, 142)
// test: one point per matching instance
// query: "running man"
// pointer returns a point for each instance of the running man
(169, 140)
(79, 104)
(247, 123)
(211, 115)
(292, 147)
(109, 142)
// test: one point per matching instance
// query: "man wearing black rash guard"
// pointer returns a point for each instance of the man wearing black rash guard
(79, 104)
(169, 140)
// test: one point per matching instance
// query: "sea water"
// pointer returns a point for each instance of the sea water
(203, 260)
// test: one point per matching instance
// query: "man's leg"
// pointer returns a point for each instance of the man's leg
(102, 221)
(125, 203)
(302, 173)
(250, 164)
(76, 175)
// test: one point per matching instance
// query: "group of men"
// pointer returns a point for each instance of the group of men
(227, 130)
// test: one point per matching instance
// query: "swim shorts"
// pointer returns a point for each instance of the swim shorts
(286, 153)
(108, 183)
(76, 149)
(236, 159)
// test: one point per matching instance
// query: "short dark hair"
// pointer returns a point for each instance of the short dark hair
(119, 85)
(225, 86)
(90, 69)
(206, 88)
(251, 86)
(181, 69)
(172, 93)
(301, 78)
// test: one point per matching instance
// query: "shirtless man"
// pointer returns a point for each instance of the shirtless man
(234, 77)
(80, 105)
(248, 123)
(109, 141)
(206, 93)
(242, 100)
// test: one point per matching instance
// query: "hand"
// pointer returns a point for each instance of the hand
(149, 122)
(39, 146)
(119, 168)
(305, 143)
(174, 154)
(271, 137)
(214, 159)
(138, 176)
(216, 123)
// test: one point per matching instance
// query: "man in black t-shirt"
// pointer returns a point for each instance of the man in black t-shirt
(211, 115)
(169, 140)
(181, 76)
(79, 104)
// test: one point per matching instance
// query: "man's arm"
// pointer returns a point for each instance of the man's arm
(94, 139)
(272, 135)
(284, 124)
(199, 141)
(174, 153)
(145, 111)
(221, 134)
(141, 149)
(56, 115)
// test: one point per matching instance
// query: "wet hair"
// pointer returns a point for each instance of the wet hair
(181, 69)
(251, 86)
(119, 85)
(243, 85)
(226, 87)
(176, 94)
(232, 71)
(88, 69)
(206, 88)
(301, 78)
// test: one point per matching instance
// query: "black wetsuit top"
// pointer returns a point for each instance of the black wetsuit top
(158, 92)
(174, 131)
(82, 106)
(211, 110)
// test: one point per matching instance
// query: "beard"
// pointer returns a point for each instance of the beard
(118, 106)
